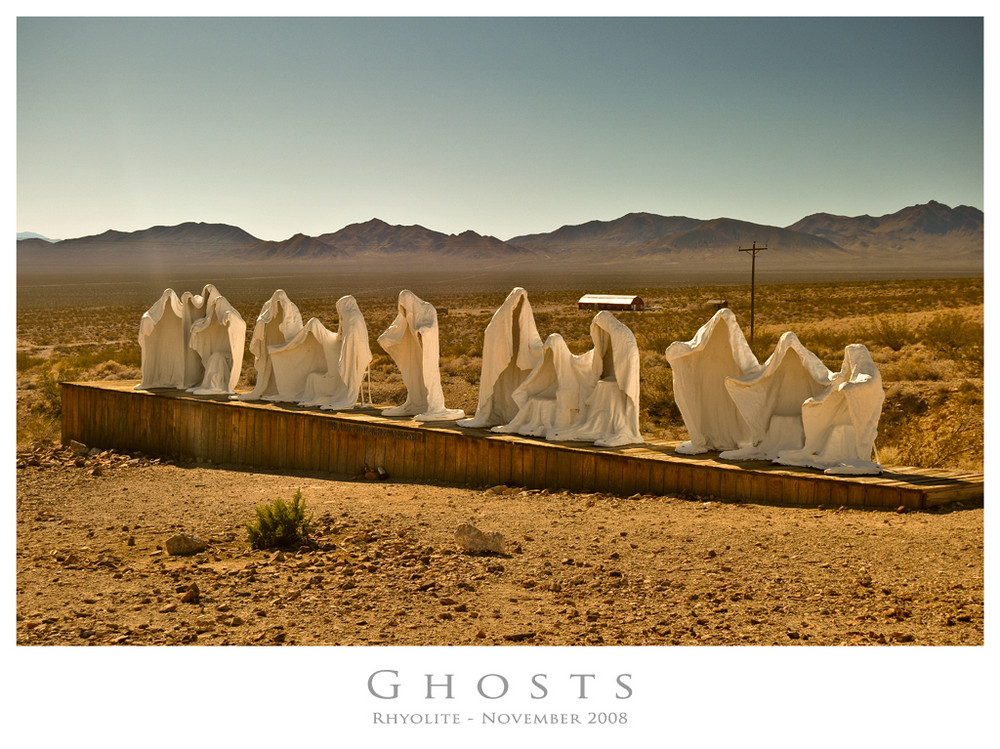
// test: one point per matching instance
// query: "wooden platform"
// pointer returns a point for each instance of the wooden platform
(177, 424)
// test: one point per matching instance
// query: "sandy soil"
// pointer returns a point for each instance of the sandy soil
(384, 566)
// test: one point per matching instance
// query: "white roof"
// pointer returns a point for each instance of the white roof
(607, 299)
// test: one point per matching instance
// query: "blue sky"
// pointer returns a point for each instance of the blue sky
(504, 126)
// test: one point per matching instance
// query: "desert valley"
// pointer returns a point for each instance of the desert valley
(382, 566)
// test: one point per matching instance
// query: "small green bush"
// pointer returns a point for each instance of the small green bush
(280, 524)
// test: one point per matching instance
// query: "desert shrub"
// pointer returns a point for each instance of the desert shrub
(955, 336)
(656, 395)
(891, 332)
(763, 343)
(33, 427)
(129, 356)
(50, 391)
(914, 364)
(26, 361)
(280, 524)
(942, 428)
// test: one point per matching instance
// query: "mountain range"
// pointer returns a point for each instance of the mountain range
(931, 236)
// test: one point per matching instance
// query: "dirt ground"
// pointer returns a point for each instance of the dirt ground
(384, 567)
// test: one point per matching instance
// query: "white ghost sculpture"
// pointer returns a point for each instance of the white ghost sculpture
(308, 352)
(841, 421)
(512, 348)
(218, 338)
(347, 358)
(770, 400)
(278, 322)
(700, 368)
(610, 377)
(550, 397)
(412, 342)
(168, 361)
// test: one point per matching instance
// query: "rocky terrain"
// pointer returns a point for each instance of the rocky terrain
(383, 566)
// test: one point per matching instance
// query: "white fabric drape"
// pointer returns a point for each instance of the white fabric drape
(219, 338)
(840, 423)
(347, 358)
(168, 361)
(550, 397)
(700, 369)
(278, 322)
(412, 342)
(610, 379)
(293, 362)
(770, 400)
(512, 348)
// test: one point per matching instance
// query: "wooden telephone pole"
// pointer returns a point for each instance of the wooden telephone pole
(753, 272)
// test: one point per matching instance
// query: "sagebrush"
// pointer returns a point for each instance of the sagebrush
(280, 524)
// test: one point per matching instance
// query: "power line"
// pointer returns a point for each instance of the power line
(753, 272)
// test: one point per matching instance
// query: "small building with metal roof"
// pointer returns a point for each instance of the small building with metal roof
(611, 302)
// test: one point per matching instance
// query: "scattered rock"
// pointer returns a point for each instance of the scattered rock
(183, 544)
(520, 637)
(192, 594)
(473, 540)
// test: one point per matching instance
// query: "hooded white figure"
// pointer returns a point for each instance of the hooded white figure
(841, 421)
(770, 400)
(168, 361)
(550, 397)
(610, 378)
(293, 362)
(347, 358)
(218, 338)
(700, 368)
(512, 348)
(412, 342)
(278, 322)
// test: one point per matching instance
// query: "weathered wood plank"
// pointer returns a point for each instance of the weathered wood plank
(529, 474)
(586, 466)
(173, 423)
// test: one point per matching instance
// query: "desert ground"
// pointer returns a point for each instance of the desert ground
(382, 565)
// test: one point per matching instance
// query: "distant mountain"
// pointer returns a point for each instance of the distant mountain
(646, 235)
(31, 235)
(929, 228)
(922, 237)
(157, 247)
(376, 237)
(199, 244)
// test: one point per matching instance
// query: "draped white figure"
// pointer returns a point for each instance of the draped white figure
(700, 368)
(278, 322)
(771, 399)
(610, 379)
(347, 358)
(512, 348)
(218, 338)
(168, 361)
(308, 352)
(550, 397)
(841, 421)
(412, 342)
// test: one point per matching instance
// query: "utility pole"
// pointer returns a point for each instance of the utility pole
(753, 272)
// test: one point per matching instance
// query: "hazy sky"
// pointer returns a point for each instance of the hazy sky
(503, 126)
